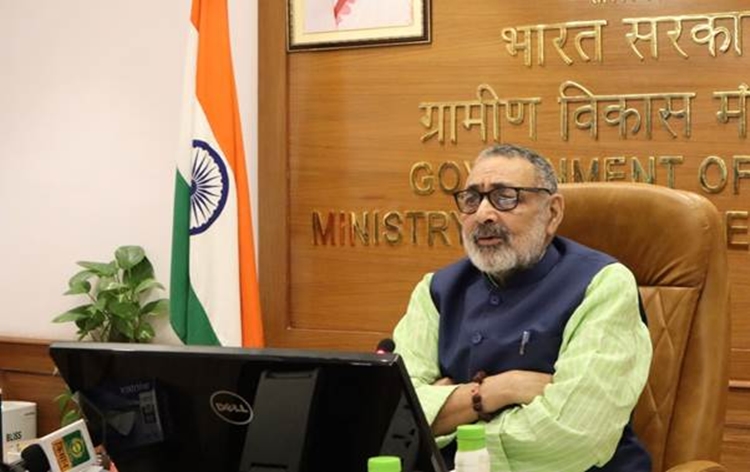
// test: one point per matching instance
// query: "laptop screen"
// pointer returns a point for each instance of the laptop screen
(168, 408)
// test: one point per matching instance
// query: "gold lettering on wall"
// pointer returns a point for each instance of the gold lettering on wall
(487, 102)
(449, 177)
(592, 32)
(341, 228)
(615, 167)
(345, 228)
(725, 114)
(670, 162)
(713, 173)
(586, 116)
(368, 229)
(733, 229)
(361, 228)
(639, 175)
(593, 174)
(323, 234)
(611, 173)
(437, 225)
(707, 31)
(738, 172)
(704, 169)
(425, 180)
(421, 178)
(393, 223)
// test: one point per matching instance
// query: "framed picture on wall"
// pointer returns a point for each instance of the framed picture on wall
(332, 24)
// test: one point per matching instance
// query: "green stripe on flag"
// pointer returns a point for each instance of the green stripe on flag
(188, 318)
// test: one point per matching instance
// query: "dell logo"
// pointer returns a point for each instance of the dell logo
(231, 407)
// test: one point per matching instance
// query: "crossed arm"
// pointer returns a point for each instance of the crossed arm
(514, 387)
(575, 418)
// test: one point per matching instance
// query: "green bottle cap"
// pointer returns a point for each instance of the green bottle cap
(384, 464)
(471, 437)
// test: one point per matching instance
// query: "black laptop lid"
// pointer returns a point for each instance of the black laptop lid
(164, 408)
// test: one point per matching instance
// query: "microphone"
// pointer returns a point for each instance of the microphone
(385, 346)
(402, 437)
(69, 449)
(32, 459)
(35, 459)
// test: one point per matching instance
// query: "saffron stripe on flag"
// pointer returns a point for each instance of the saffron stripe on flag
(214, 289)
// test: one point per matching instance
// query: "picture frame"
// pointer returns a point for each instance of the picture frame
(335, 24)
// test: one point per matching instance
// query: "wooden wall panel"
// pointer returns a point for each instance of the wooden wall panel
(272, 165)
(340, 132)
(735, 453)
(27, 373)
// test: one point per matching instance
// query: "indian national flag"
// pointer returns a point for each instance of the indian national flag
(214, 286)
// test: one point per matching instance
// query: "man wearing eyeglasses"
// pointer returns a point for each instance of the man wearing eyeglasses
(540, 338)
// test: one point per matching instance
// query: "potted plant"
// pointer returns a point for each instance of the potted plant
(118, 308)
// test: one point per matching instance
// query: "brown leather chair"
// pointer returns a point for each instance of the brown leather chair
(673, 241)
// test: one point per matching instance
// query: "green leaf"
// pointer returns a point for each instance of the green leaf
(124, 327)
(101, 302)
(156, 307)
(78, 288)
(140, 272)
(81, 276)
(63, 399)
(106, 296)
(69, 417)
(74, 314)
(144, 333)
(93, 322)
(125, 310)
(129, 256)
(99, 318)
(116, 289)
(68, 316)
(100, 268)
(148, 284)
(109, 284)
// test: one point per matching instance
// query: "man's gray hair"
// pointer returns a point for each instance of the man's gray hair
(544, 171)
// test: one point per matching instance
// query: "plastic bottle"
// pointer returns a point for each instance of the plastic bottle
(384, 464)
(472, 454)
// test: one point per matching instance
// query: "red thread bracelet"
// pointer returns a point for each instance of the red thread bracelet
(476, 398)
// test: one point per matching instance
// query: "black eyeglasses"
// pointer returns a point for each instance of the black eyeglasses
(501, 198)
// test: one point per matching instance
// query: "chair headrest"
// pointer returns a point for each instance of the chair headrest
(665, 236)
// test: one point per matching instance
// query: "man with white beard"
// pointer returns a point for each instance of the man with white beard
(538, 337)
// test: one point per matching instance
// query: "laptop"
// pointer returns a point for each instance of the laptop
(214, 409)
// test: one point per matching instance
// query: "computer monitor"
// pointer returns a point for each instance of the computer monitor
(212, 409)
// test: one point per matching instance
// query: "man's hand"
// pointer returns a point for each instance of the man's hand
(514, 387)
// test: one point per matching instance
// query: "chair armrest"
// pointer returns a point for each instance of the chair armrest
(698, 466)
